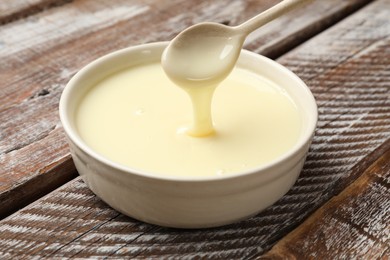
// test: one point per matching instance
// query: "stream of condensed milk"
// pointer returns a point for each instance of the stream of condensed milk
(136, 118)
(198, 65)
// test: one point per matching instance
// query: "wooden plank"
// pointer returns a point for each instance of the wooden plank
(272, 40)
(354, 224)
(41, 53)
(16, 9)
(347, 69)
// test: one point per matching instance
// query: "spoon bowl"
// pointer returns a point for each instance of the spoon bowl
(203, 54)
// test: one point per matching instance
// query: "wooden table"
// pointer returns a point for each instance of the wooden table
(338, 208)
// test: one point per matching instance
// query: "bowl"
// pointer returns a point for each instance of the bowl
(186, 202)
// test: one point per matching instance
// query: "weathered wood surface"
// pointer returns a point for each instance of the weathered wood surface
(347, 68)
(39, 54)
(355, 224)
(11, 10)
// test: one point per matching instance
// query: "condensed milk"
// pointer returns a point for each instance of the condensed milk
(138, 118)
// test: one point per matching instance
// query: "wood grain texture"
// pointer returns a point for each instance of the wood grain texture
(39, 54)
(347, 68)
(354, 224)
(16, 9)
(272, 40)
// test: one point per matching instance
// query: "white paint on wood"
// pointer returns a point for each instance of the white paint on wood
(59, 207)
(52, 27)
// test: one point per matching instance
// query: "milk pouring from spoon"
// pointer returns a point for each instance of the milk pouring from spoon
(203, 55)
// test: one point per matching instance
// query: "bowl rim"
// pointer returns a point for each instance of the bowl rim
(77, 140)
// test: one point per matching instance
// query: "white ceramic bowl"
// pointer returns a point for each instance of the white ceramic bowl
(186, 203)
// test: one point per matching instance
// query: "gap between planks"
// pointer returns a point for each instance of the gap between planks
(350, 213)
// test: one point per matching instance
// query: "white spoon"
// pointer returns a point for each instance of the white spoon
(205, 53)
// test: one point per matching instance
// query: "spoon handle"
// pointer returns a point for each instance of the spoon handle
(269, 15)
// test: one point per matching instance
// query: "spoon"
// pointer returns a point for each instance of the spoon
(205, 53)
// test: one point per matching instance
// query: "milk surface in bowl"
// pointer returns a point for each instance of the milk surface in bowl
(125, 122)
